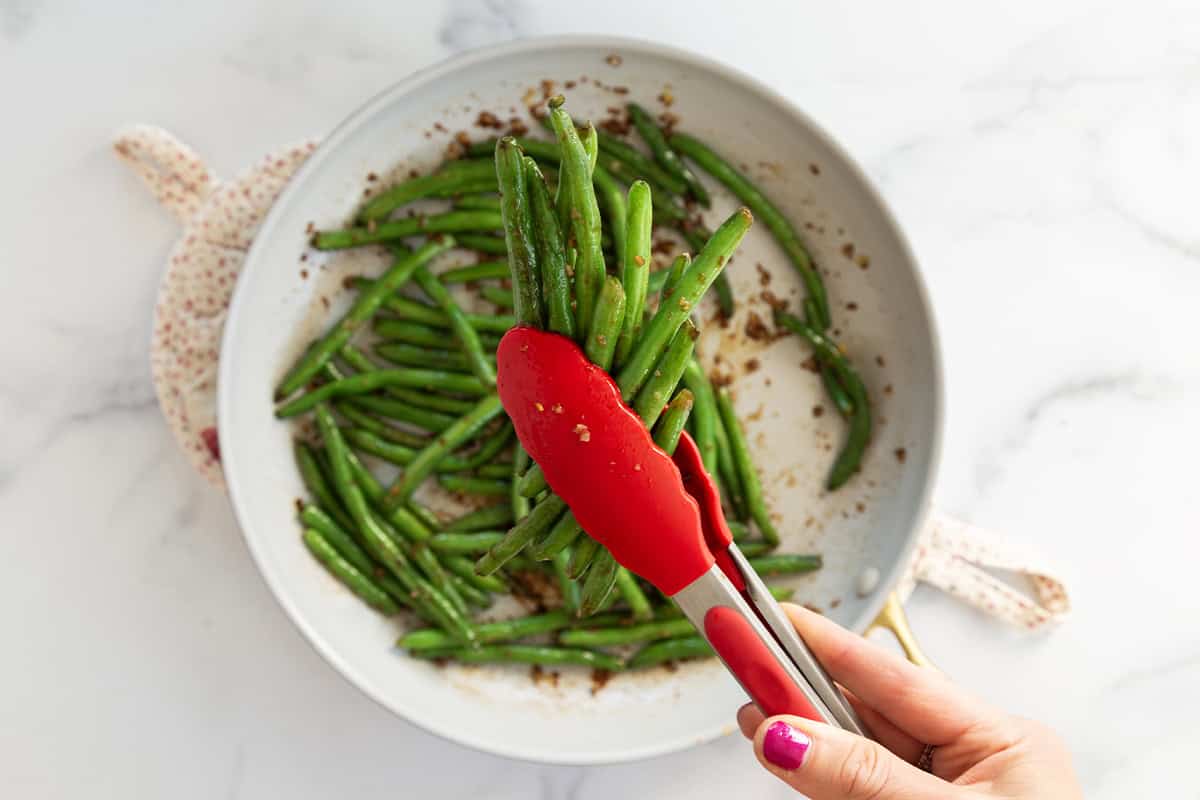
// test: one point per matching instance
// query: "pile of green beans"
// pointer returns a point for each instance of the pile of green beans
(576, 260)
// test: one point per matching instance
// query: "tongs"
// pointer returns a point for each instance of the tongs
(732, 607)
(660, 516)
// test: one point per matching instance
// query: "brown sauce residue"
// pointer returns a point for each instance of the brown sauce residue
(901, 454)
(764, 276)
(600, 679)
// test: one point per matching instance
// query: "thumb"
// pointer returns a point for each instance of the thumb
(827, 763)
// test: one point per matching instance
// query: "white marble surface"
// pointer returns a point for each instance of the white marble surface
(1044, 160)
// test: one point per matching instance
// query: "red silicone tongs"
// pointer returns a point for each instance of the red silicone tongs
(660, 516)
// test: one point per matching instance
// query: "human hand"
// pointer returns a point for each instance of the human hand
(979, 752)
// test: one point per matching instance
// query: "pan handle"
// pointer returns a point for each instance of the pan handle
(893, 618)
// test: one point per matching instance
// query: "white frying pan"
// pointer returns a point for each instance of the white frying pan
(881, 313)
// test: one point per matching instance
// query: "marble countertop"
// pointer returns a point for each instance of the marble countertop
(1044, 164)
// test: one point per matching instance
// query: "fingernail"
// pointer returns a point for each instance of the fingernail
(784, 746)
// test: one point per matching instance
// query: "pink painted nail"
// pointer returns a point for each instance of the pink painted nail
(784, 746)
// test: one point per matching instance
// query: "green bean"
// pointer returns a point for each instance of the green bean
(740, 530)
(378, 542)
(467, 337)
(562, 194)
(422, 400)
(675, 274)
(781, 593)
(696, 238)
(464, 568)
(465, 543)
(527, 654)
(591, 145)
(365, 382)
(410, 355)
(351, 578)
(728, 471)
(468, 484)
(364, 307)
(518, 502)
(488, 632)
(626, 634)
(785, 563)
(755, 549)
(565, 531)
(833, 387)
(484, 270)
(666, 211)
(399, 330)
(536, 523)
(609, 194)
(787, 236)
(482, 202)
(582, 557)
(426, 461)
(501, 469)
(635, 269)
(599, 583)
(495, 442)
(425, 514)
(679, 649)
(653, 136)
(747, 474)
(472, 594)
(540, 149)
(850, 457)
(401, 520)
(426, 560)
(317, 483)
(482, 243)
(607, 189)
(532, 483)
(497, 296)
(378, 446)
(481, 519)
(635, 598)
(551, 253)
(576, 169)
(704, 413)
(567, 587)
(671, 424)
(641, 166)
(608, 317)
(402, 456)
(404, 411)
(454, 177)
(670, 317)
(652, 397)
(313, 517)
(416, 311)
(393, 230)
(518, 233)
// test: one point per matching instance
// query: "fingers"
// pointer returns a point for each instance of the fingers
(886, 733)
(749, 718)
(918, 700)
(824, 763)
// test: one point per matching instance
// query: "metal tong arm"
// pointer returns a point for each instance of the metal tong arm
(749, 649)
(801, 656)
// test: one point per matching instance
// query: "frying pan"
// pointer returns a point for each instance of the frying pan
(286, 295)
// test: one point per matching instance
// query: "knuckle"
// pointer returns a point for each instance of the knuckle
(864, 773)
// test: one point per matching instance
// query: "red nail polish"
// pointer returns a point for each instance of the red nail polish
(784, 746)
